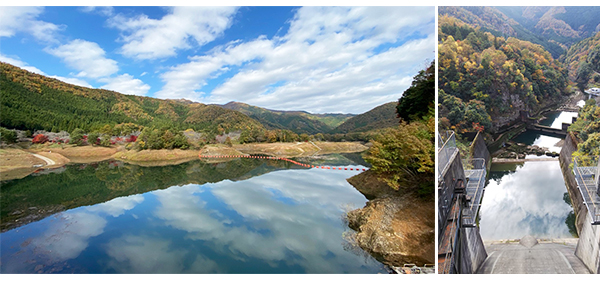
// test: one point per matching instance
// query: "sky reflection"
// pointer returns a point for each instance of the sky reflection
(528, 201)
(285, 221)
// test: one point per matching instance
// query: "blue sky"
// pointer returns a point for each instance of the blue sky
(317, 59)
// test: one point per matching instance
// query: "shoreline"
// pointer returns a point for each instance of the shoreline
(17, 163)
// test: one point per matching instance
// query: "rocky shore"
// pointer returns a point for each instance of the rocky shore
(513, 150)
(396, 228)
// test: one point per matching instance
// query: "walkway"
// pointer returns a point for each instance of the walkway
(530, 256)
(47, 160)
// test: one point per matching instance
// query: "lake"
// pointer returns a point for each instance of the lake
(240, 216)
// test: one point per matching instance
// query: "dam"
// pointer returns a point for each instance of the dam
(464, 248)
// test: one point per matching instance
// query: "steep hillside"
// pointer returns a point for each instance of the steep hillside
(486, 80)
(30, 101)
(555, 28)
(583, 62)
(379, 117)
(296, 121)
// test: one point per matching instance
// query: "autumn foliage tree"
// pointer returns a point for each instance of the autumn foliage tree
(39, 139)
(405, 156)
(483, 76)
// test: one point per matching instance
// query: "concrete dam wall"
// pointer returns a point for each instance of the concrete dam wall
(588, 246)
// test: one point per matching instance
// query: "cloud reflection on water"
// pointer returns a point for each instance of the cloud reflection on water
(526, 202)
(282, 221)
(296, 230)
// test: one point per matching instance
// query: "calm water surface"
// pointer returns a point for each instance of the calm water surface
(553, 120)
(529, 198)
(525, 199)
(243, 216)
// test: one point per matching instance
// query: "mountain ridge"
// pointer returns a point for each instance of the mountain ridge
(32, 102)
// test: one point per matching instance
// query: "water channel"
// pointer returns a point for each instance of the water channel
(240, 216)
(529, 198)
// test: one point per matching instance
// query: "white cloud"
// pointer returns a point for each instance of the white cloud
(183, 80)
(126, 84)
(101, 10)
(23, 19)
(331, 60)
(27, 67)
(147, 38)
(86, 57)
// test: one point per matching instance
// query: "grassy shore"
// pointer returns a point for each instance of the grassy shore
(17, 163)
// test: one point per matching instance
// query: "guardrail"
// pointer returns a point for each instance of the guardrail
(447, 143)
(475, 172)
(587, 174)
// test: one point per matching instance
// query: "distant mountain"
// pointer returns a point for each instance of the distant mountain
(30, 101)
(379, 117)
(297, 121)
(583, 62)
(555, 28)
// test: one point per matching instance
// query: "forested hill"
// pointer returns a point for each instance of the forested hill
(485, 80)
(583, 62)
(379, 117)
(31, 101)
(296, 121)
(555, 28)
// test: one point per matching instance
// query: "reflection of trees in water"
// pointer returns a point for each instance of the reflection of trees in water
(89, 184)
(570, 220)
(35, 197)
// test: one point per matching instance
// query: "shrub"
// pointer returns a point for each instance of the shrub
(92, 138)
(78, 137)
(39, 139)
(8, 136)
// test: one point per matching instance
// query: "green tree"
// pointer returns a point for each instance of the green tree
(228, 142)
(475, 113)
(92, 138)
(7, 135)
(77, 137)
(419, 97)
(304, 137)
(168, 139)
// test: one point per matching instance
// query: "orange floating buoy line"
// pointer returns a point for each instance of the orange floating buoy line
(280, 158)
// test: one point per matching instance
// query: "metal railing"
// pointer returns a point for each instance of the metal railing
(447, 149)
(475, 173)
(587, 172)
